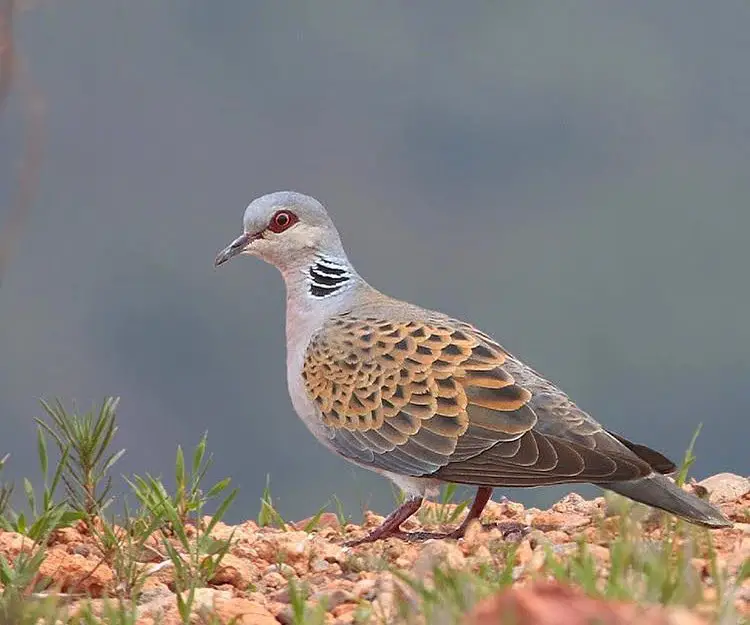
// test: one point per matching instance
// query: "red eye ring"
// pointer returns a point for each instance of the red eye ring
(282, 220)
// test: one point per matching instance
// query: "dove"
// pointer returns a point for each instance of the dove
(423, 398)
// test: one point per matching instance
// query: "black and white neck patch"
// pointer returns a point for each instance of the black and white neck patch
(328, 276)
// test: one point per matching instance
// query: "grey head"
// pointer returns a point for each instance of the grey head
(288, 230)
(294, 233)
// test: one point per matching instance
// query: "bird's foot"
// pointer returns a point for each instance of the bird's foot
(376, 535)
(511, 530)
(409, 537)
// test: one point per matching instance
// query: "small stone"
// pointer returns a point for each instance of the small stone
(222, 531)
(274, 579)
(574, 503)
(319, 566)
(524, 552)
(402, 562)
(725, 487)
(473, 535)
(385, 607)
(557, 537)
(536, 563)
(328, 551)
(241, 611)
(66, 536)
(153, 590)
(364, 589)
(282, 569)
(600, 554)
(505, 510)
(552, 603)
(537, 537)
(11, 544)
(235, 571)
(332, 599)
(74, 573)
(289, 547)
(280, 596)
(221, 604)
(438, 554)
(372, 520)
(482, 555)
(276, 607)
(80, 549)
(547, 521)
(344, 609)
(325, 520)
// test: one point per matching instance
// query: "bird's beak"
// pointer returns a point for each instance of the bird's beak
(235, 247)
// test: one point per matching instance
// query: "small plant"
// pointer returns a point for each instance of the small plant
(6, 490)
(445, 511)
(198, 559)
(447, 594)
(727, 588)
(342, 517)
(268, 515)
(18, 582)
(189, 497)
(689, 458)
(314, 521)
(111, 613)
(44, 514)
(124, 547)
(194, 553)
(301, 612)
(84, 442)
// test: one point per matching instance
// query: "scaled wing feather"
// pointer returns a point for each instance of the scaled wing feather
(436, 397)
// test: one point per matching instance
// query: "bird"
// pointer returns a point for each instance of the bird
(423, 398)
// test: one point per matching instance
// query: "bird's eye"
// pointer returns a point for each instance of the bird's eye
(282, 220)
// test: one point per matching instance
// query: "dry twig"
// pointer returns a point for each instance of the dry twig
(14, 74)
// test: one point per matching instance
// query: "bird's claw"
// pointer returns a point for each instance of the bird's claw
(511, 530)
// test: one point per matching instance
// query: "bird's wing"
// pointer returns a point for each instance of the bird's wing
(436, 397)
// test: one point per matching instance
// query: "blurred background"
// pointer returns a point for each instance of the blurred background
(571, 177)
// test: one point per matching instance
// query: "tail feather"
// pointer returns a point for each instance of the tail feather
(658, 462)
(659, 492)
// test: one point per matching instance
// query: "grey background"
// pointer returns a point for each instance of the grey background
(572, 177)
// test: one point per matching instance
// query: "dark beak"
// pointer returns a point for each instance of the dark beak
(234, 248)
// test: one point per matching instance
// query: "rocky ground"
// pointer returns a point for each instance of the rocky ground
(275, 575)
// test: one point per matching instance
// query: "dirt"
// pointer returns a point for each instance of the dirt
(252, 583)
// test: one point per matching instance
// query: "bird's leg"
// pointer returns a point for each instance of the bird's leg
(512, 530)
(391, 526)
(480, 501)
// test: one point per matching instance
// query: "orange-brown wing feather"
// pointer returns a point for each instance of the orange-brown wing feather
(438, 397)
(400, 395)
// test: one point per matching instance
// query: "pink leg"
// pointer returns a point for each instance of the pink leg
(391, 527)
(510, 529)
(480, 501)
(392, 524)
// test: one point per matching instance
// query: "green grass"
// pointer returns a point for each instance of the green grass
(446, 511)
(83, 466)
(76, 481)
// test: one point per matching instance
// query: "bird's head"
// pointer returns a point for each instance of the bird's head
(286, 229)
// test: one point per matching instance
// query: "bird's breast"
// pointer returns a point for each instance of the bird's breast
(303, 404)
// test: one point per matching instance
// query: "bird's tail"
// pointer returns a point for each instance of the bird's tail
(658, 491)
